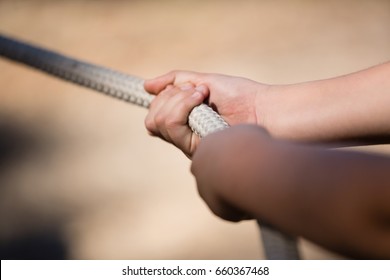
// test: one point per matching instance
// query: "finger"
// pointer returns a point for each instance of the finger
(158, 84)
(177, 127)
(182, 104)
(162, 108)
(155, 107)
(172, 119)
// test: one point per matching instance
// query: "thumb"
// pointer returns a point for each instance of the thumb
(156, 85)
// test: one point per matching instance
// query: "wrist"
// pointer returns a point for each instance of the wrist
(350, 109)
(302, 112)
(277, 110)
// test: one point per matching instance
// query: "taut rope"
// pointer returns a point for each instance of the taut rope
(202, 119)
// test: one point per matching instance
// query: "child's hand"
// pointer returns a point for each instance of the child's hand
(168, 115)
(349, 108)
(234, 98)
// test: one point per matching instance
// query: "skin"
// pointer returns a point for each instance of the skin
(282, 172)
(347, 110)
(168, 115)
(337, 199)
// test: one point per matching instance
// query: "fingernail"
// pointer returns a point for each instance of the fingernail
(201, 89)
(197, 94)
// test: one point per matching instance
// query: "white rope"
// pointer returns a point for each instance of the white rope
(202, 119)
(278, 245)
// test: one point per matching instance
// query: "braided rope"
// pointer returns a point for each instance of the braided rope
(202, 119)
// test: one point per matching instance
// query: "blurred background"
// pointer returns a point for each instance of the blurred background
(79, 176)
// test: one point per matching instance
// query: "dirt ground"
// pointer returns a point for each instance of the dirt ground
(79, 176)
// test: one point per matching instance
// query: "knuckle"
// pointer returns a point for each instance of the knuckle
(171, 120)
(159, 119)
(149, 123)
(168, 92)
(170, 123)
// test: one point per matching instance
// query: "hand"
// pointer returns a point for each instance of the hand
(226, 167)
(242, 173)
(233, 98)
(352, 108)
(168, 115)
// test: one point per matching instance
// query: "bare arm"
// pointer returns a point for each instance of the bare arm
(335, 198)
(353, 109)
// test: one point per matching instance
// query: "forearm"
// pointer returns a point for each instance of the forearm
(337, 199)
(351, 108)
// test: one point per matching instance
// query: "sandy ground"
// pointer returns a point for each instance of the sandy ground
(79, 176)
